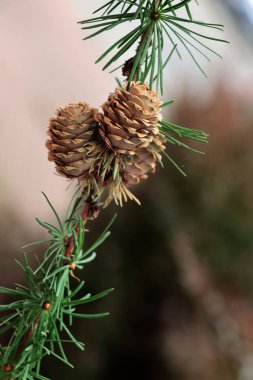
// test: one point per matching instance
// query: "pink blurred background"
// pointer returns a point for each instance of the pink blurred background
(44, 64)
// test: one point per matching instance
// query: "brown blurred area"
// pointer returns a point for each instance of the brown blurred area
(182, 263)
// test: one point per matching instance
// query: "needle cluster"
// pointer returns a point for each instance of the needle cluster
(39, 318)
(160, 26)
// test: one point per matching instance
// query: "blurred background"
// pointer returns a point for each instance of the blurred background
(182, 263)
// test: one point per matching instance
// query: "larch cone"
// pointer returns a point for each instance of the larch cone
(71, 144)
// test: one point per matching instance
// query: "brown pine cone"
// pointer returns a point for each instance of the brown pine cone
(143, 162)
(132, 169)
(130, 118)
(71, 145)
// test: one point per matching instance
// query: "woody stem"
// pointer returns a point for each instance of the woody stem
(70, 241)
(142, 42)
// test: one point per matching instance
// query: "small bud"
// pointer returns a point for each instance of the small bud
(94, 211)
(72, 266)
(127, 68)
(155, 16)
(8, 368)
(46, 305)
